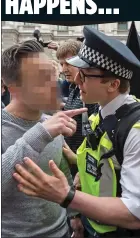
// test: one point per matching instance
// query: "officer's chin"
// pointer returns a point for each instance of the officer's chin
(85, 100)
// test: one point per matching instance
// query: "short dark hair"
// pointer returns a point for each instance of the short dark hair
(11, 59)
(124, 83)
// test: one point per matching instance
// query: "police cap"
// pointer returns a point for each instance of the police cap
(101, 51)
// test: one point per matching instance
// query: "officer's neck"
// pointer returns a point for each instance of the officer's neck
(110, 97)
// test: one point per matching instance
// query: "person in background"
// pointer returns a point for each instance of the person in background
(65, 88)
(32, 81)
(64, 91)
(69, 49)
(63, 82)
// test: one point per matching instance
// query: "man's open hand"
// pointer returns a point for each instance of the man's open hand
(34, 182)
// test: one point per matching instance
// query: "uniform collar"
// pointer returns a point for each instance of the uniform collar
(112, 106)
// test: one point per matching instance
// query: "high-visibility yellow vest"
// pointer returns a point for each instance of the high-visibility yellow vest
(88, 160)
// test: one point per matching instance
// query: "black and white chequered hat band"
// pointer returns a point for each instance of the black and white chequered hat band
(104, 62)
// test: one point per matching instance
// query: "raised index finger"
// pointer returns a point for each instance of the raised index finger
(75, 112)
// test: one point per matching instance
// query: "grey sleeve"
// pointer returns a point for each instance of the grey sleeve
(64, 166)
(29, 145)
(130, 173)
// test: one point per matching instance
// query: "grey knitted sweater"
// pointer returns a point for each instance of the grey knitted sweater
(24, 216)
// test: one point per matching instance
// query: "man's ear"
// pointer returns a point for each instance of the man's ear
(113, 85)
(13, 88)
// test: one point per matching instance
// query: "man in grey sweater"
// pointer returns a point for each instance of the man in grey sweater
(31, 80)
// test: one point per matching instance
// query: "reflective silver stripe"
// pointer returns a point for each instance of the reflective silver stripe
(106, 180)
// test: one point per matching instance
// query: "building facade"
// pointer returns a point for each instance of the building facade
(14, 32)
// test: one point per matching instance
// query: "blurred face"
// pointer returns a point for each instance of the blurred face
(38, 88)
(69, 71)
(92, 90)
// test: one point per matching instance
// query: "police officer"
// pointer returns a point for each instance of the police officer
(106, 67)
